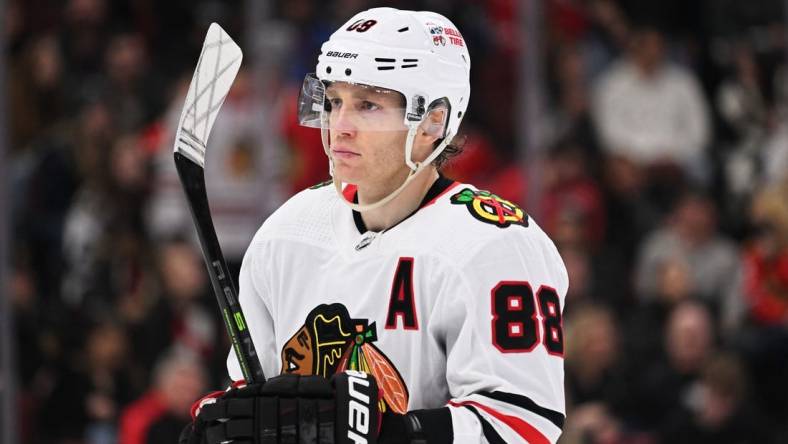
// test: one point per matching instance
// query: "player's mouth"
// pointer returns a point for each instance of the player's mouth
(343, 153)
(292, 358)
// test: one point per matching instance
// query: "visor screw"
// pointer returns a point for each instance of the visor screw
(420, 110)
(328, 69)
(347, 71)
(420, 100)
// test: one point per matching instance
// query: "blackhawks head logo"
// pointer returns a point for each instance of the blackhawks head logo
(331, 341)
(489, 208)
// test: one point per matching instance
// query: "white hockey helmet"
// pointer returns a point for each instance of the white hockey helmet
(419, 54)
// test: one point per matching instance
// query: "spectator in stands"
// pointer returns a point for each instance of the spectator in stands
(718, 411)
(594, 423)
(645, 322)
(689, 340)
(689, 337)
(105, 248)
(766, 258)
(573, 212)
(599, 27)
(88, 393)
(44, 185)
(591, 357)
(162, 412)
(570, 118)
(37, 98)
(650, 110)
(775, 151)
(741, 101)
(134, 94)
(84, 34)
(690, 239)
(178, 319)
(572, 198)
(629, 215)
(764, 340)
(183, 383)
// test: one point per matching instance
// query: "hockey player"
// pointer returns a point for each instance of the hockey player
(395, 304)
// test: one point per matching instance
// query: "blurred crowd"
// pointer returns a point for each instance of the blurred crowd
(664, 178)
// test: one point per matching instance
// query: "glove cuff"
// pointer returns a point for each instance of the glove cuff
(431, 426)
(207, 399)
(396, 427)
(212, 397)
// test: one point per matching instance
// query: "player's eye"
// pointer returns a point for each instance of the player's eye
(366, 105)
(334, 103)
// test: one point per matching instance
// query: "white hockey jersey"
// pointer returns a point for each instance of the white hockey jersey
(459, 306)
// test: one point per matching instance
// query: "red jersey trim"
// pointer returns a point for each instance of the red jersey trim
(349, 192)
(528, 432)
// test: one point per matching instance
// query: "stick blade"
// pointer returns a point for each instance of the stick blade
(217, 67)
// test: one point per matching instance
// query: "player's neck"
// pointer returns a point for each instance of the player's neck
(401, 206)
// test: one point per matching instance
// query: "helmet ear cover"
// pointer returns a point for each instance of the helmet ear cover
(436, 120)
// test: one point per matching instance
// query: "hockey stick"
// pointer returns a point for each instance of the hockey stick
(216, 69)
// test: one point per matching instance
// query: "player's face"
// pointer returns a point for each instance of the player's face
(367, 135)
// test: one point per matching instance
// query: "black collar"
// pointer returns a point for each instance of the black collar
(438, 187)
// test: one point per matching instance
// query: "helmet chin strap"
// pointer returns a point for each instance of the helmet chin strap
(415, 168)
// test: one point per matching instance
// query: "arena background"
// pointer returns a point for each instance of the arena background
(648, 138)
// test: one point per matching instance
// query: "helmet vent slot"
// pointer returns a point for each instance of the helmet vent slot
(403, 29)
(386, 67)
(409, 66)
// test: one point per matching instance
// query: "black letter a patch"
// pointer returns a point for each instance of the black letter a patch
(401, 302)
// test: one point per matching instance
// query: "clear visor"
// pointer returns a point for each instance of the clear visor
(350, 106)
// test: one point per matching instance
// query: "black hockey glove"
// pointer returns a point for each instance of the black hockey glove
(293, 409)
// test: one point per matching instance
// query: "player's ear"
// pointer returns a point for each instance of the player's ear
(433, 126)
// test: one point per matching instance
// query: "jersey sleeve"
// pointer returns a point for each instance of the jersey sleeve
(504, 341)
(253, 296)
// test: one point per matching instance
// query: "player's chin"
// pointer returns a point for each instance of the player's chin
(348, 173)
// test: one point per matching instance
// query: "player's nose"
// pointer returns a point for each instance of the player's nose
(342, 123)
